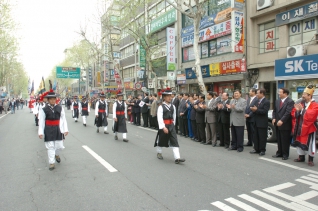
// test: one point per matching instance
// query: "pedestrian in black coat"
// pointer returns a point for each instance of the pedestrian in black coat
(224, 121)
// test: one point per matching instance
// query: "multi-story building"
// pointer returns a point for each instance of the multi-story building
(221, 46)
(282, 45)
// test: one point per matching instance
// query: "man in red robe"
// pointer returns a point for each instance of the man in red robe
(305, 126)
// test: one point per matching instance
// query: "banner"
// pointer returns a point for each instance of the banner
(181, 79)
(209, 33)
(233, 66)
(215, 69)
(171, 50)
(171, 75)
(237, 32)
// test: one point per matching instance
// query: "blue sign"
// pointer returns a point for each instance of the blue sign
(190, 74)
(301, 67)
(205, 22)
(300, 89)
(205, 71)
(299, 13)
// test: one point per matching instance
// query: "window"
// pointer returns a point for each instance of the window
(127, 52)
(205, 50)
(212, 45)
(268, 37)
(302, 32)
(223, 44)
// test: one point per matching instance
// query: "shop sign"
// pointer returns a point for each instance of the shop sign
(297, 68)
(215, 69)
(297, 14)
(205, 71)
(233, 66)
(237, 32)
(181, 79)
(190, 74)
(151, 83)
(163, 20)
(142, 56)
(111, 88)
(171, 75)
(129, 85)
(138, 85)
(209, 33)
(171, 50)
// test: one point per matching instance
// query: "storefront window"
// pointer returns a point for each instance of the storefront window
(188, 54)
(302, 32)
(297, 87)
(205, 50)
(212, 45)
(224, 44)
(229, 87)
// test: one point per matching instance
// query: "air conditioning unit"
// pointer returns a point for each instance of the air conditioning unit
(262, 4)
(294, 51)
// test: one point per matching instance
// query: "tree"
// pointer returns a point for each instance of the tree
(196, 12)
(137, 26)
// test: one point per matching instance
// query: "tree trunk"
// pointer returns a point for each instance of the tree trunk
(196, 24)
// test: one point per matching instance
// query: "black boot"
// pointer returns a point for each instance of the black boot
(301, 158)
(310, 161)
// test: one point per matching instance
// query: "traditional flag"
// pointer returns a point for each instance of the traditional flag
(32, 88)
(54, 85)
(42, 86)
(29, 86)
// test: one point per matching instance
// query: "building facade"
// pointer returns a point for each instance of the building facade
(282, 44)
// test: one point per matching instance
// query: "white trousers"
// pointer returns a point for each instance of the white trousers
(84, 119)
(105, 128)
(175, 150)
(311, 150)
(53, 148)
(124, 135)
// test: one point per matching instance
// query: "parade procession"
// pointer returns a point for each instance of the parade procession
(166, 105)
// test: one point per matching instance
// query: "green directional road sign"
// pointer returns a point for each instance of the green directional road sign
(68, 72)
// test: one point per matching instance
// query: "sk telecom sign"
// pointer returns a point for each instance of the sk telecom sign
(68, 72)
(297, 68)
(299, 13)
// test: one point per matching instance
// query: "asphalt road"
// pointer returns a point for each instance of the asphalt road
(99, 173)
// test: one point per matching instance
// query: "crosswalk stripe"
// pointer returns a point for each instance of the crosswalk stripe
(276, 191)
(313, 185)
(310, 179)
(312, 175)
(292, 206)
(241, 204)
(223, 206)
(259, 203)
(308, 195)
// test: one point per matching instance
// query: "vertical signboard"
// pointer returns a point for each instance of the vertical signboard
(237, 32)
(171, 55)
(142, 55)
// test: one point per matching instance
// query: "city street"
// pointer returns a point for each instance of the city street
(98, 173)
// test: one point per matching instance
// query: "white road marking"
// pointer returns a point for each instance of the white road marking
(289, 165)
(259, 203)
(314, 176)
(292, 206)
(241, 204)
(4, 115)
(308, 195)
(100, 159)
(276, 191)
(223, 206)
(313, 185)
(310, 179)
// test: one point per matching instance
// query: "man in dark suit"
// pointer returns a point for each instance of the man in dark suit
(224, 121)
(200, 119)
(249, 115)
(192, 117)
(183, 110)
(283, 121)
(175, 101)
(144, 109)
(180, 121)
(137, 110)
(261, 118)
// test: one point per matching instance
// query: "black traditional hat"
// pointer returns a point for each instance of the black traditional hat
(83, 98)
(51, 94)
(75, 97)
(102, 94)
(166, 92)
(119, 93)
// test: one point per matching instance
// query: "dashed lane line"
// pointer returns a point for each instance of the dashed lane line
(100, 159)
